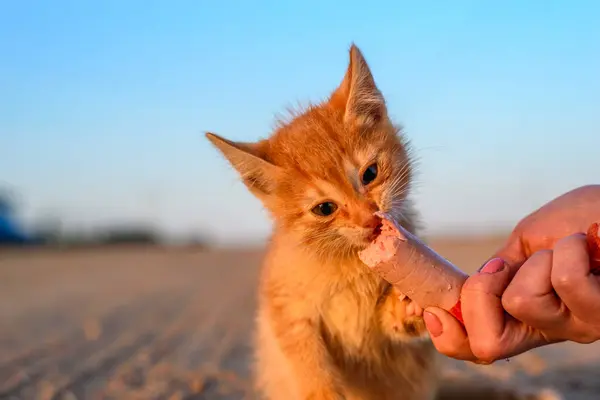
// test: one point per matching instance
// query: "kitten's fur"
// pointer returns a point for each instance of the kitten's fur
(328, 328)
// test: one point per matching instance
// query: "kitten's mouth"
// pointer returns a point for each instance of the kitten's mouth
(376, 232)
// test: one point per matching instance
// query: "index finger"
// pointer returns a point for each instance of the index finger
(492, 332)
(513, 252)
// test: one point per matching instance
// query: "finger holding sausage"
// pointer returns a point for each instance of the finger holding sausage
(489, 333)
(493, 333)
(577, 287)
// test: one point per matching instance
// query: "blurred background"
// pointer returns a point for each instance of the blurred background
(103, 109)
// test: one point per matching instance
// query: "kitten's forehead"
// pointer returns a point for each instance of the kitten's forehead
(319, 145)
(327, 167)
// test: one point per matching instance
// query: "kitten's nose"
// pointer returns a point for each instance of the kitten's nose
(372, 222)
(364, 215)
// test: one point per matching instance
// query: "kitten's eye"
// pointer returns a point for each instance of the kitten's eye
(370, 174)
(324, 209)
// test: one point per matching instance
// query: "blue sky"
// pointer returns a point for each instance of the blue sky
(103, 105)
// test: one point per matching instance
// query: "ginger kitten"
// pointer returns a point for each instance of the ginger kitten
(327, 327)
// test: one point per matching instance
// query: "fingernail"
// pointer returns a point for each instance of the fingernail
(433, 324)
(492, 266)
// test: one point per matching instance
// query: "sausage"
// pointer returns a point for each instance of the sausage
(423, 275)
(413, 268)
(593, 241)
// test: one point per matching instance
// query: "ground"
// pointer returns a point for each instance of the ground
(152, 323)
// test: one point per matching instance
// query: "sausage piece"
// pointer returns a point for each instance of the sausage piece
(423, 275)
(413, 268)
(593, 241)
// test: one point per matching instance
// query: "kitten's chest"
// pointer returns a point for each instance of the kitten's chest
(349, 312)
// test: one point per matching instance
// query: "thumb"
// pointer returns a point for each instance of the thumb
(447, 334)
(512, 252)
(493, 333)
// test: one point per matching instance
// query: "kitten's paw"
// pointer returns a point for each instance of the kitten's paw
(402, 318)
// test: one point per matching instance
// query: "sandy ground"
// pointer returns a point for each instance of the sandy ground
(176, 324)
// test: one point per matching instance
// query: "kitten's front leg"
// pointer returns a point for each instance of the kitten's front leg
(300, 341)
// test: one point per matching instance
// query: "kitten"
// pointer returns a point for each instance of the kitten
(327, 327)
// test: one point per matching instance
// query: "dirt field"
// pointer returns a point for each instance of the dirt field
(176, 324)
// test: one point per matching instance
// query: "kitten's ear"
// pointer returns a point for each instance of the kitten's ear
(358, 95)
(259, 175)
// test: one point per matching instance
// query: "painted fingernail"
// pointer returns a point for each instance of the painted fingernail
(433, 324)
(492, 266)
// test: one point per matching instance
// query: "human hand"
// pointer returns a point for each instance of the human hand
(544, 293)
(572, 212)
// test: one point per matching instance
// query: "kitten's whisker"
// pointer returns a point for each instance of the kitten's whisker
(401, 178)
